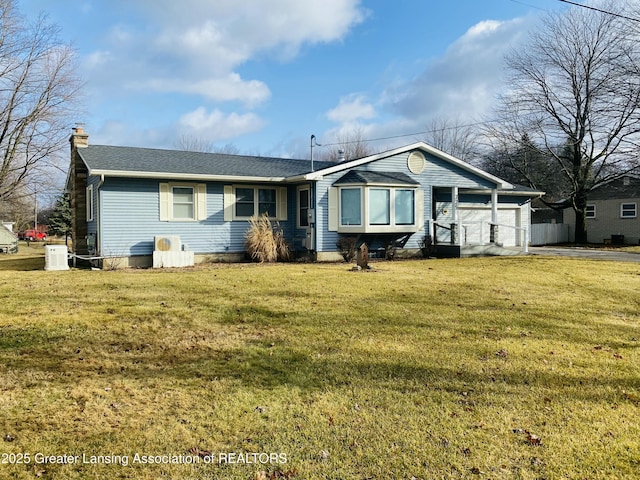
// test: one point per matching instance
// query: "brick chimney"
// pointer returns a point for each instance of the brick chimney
(78, 138)
(78, 186)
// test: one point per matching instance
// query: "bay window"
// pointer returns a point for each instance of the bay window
(350, 206)
(405, 206)
(375, 209)
(379, 206)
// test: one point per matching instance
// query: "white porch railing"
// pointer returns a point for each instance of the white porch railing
(462, 231)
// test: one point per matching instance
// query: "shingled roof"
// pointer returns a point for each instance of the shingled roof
(149, 162)
(366, 177)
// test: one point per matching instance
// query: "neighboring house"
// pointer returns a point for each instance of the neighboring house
(124, 197)
(8, 225)
(8, 241)
(612, 212)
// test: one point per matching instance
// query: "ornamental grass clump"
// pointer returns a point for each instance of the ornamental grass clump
(265, 242)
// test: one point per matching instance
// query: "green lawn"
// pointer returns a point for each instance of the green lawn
(495, 368)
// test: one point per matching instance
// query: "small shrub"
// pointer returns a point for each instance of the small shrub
(347, 248)
(264, 242)
(426, 246)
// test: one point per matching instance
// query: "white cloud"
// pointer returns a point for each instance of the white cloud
(464, 81)
(350, 109)
(196, 47)
(251, 26)
(222, 89)
(215, 125)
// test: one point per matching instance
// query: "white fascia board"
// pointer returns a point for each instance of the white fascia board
(317, 175)
(515, 193)
(520, 193)
(184, 176)
(418, 145)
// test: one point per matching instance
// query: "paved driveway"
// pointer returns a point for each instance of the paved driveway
(580, 252)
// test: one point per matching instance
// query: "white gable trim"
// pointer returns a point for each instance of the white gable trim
(418, 145)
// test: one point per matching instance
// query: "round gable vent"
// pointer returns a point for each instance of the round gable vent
(416, 162)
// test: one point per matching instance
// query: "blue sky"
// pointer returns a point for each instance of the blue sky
(264, 75)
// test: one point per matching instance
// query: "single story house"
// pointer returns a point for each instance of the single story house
(125, 200)
(612, 212)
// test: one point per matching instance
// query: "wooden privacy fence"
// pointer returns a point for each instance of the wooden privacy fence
(549, 233)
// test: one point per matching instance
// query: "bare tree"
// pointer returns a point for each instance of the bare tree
(38, 84)
(349, 145)
(193, 143)
(452, 136)
(575, 92)
(525, 163)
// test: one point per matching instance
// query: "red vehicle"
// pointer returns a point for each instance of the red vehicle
(32, 235)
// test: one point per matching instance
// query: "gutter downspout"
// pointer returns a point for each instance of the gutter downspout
(99, 217)
(313, 190)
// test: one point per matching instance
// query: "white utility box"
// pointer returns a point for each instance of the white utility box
(56, 257)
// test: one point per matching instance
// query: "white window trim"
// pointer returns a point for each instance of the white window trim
(89, 200)
(366, 226)
(594, 211)
(635, 210)
(230, 202)
(199, 201)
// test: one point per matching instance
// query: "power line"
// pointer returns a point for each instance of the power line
(529, 5)
(393, 137)
(600, 10)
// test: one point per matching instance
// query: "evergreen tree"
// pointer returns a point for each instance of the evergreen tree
(60, 219)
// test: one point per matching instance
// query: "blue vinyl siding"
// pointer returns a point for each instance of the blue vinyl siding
(127, 210)
(437, 173)
(130, 218)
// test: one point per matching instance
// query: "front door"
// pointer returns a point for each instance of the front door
(306, 220)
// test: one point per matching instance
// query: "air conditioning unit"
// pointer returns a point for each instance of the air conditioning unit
(167, 243)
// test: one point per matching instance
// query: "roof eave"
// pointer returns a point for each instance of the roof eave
(184, 176)
(513, 192)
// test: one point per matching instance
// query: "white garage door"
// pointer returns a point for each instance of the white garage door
(475, 222)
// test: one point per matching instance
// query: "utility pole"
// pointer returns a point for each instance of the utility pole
(314, 143)
(35, 218)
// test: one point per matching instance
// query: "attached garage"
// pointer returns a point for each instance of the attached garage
(475, 221)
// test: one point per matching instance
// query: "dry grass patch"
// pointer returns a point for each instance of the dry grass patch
(484, 368)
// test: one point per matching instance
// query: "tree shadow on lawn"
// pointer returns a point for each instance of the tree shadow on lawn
(21, 264)
(262, 365)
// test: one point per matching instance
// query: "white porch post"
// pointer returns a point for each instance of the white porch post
(455, 227)
(493, 232)
(494, 206)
